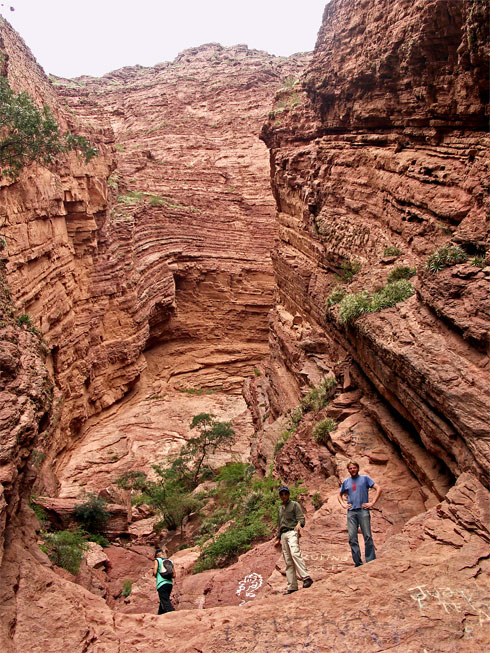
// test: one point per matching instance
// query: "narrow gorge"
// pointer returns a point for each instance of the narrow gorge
(299, 247)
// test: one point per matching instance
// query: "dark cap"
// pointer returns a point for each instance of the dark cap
(283, 489)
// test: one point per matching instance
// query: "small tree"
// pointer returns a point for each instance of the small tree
(29, 134)
(65, 549)
(212, 436)
(93, 514)
(131, 481)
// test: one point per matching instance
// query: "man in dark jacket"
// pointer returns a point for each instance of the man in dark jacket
(289, 524)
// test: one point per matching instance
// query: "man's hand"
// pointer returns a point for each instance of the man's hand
(343, 502)
(297, 528)
(277, 541)
(368, 505)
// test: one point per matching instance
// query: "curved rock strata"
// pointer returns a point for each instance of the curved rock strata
(379, 157)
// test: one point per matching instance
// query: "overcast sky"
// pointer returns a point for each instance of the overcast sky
(93, 37)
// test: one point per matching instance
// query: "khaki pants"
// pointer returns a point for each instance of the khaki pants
(295, 565)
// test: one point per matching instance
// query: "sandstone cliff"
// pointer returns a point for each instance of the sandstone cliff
(378, 158)
(356, 178)
(169, 255)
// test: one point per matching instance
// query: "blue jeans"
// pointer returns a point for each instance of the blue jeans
(355, 518)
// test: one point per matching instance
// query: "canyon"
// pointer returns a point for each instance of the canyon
(193, 267)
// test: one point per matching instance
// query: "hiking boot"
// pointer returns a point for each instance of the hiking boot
(290, 591)
(307, 582)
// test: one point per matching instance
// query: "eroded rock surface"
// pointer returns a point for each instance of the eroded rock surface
(170, 252)
(439, 600)
(381, 146)
(356, 177)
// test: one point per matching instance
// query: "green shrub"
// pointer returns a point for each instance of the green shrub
(229, 544)
(127, 587)
(445, 257)
(392, 251)
(233, 473)
(93, 514)
(337, 294)
(478, 261)
(131, 198)
(257, 372)
(118, 147)
(98, 539)
(322, 430)
(65, 549)
(212, 523)
(24, 319)
(3, 244)
(291, 81)
(253, 510)
(173, 503)
(30, 134)
(155, 200)
(349, 270)
(284, 437)
(38, 511)
(296, 416)
(356, 304)
(401, 272)
(201, 391)
(317, 501)
(37, 458)
(317, 398)
(391, 294)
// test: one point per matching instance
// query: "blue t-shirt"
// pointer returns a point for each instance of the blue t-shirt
(357, 490)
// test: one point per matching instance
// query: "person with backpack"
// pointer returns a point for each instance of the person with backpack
(164, 572)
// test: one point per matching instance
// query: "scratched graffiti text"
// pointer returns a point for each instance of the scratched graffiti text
(451, 600)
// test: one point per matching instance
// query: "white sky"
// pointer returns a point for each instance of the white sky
(93, 37)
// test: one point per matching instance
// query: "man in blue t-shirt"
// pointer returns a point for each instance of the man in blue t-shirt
(358, 505)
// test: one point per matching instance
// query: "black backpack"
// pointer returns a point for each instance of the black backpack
(166, 569)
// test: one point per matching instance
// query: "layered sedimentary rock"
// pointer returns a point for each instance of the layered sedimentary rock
(50, 219)
(26, 393)
(380, 149)
(388, 153)
(171, 253)
(191, 227)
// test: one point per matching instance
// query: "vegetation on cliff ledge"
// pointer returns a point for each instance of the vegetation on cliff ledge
(356, 304)
(29, 134)
(236, 508)
(244, 512)
(444, 257)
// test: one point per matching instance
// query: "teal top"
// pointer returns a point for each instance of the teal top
(160, 580)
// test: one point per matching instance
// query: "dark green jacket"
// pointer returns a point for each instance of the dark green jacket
(289, 516)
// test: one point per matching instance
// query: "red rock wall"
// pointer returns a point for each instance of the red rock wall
(50, 222)
(186, 135)
(388, 150)
(189, 271)
(26, 393)
(409, 402)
